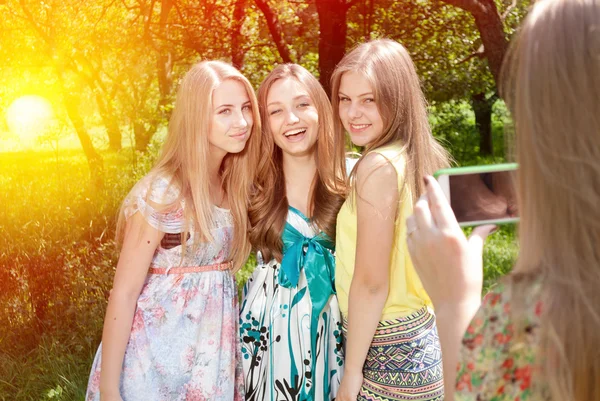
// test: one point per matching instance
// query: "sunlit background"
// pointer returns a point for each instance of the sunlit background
(86, 91)
(29, 119)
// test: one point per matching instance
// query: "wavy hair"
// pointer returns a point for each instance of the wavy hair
(552, 86)
(269, 204)
(389, 69)
(184, 157)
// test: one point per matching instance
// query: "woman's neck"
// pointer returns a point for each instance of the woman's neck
(299, 173)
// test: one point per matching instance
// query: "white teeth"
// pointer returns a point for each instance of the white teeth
(359, 126)
(295, 132)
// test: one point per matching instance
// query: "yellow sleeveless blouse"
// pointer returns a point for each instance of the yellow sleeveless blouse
(406, 293)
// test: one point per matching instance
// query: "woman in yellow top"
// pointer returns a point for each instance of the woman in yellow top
(392, 346)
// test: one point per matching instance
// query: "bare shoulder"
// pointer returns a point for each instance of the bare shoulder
(376, 173)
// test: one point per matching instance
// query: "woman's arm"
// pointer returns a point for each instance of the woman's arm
(140, 242)
(376, 206)
(450, 268)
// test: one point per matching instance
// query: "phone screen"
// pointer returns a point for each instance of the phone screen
(481, 197)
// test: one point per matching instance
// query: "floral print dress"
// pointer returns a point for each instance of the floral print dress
(498, 360)
(290, 322)
(184, 342)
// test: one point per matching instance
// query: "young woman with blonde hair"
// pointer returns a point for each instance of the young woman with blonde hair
(537, 334)
(170, 331)
(290, 322)
(392, 348)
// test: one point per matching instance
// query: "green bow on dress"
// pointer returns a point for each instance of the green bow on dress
(314, 255)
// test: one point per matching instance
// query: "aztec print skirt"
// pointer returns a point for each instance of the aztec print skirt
(404, 361)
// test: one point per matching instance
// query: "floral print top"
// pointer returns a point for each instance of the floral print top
(498, 357)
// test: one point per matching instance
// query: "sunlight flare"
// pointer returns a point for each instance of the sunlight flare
(28, 117)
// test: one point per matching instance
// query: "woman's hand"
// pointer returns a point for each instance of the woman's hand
(450, 268)
(449, 265)
(350, 386)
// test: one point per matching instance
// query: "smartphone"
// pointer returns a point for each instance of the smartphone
(481, 194)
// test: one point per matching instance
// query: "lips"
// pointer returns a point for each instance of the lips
(357, 128)
(240, 135)
(294, 132)
(295, 135)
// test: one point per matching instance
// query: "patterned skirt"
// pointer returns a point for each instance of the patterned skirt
(404, 361)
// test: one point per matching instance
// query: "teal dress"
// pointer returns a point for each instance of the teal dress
(290, 324)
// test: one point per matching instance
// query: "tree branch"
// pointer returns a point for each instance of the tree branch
(275, 30)
(351, 3)
(508, 10)
(480, 53)
(471, 6)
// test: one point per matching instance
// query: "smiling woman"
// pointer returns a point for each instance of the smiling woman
(28, 117)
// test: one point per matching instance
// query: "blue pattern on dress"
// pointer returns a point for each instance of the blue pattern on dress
(290, 322)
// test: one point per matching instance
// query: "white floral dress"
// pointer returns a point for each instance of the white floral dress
(290, 322)
(184, 342)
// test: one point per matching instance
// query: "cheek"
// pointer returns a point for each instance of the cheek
(219, 124)
(274, 124)
(313, 116)
(379, 116)
(375, 117)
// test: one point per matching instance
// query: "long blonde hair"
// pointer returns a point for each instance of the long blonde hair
(389, 69)
(269, 205)
(553, 88)
(184, 156)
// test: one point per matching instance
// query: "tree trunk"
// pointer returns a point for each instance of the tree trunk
(110, 123)
(94, 159)
(141, 136)
(332, 38)
(491, 29)
(237, 51)
(483, 121)
(114, 135)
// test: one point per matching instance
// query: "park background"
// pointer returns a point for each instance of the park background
(86, 89)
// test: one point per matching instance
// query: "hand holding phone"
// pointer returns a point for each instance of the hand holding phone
(481, 194)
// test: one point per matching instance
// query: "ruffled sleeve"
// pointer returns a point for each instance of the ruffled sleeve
(157, 200)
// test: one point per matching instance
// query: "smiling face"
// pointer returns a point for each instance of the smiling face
(292, 117)
(358, 110)
(231, 118)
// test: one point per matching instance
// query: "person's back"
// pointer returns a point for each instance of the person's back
(537, 335)
(554, 92)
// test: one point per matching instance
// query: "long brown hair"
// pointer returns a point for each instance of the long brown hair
(553, 89)
(184, 157)
(389, 69)
(269, 204)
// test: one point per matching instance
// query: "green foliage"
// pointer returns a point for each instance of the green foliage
(53, 371)
(453, 124)
(499, 254)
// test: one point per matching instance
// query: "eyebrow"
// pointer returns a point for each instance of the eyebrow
(361, 95)
(295, 98)
(231, 105)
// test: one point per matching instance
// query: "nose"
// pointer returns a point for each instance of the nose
(354, 110)
(241, 121)
(291, 118)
